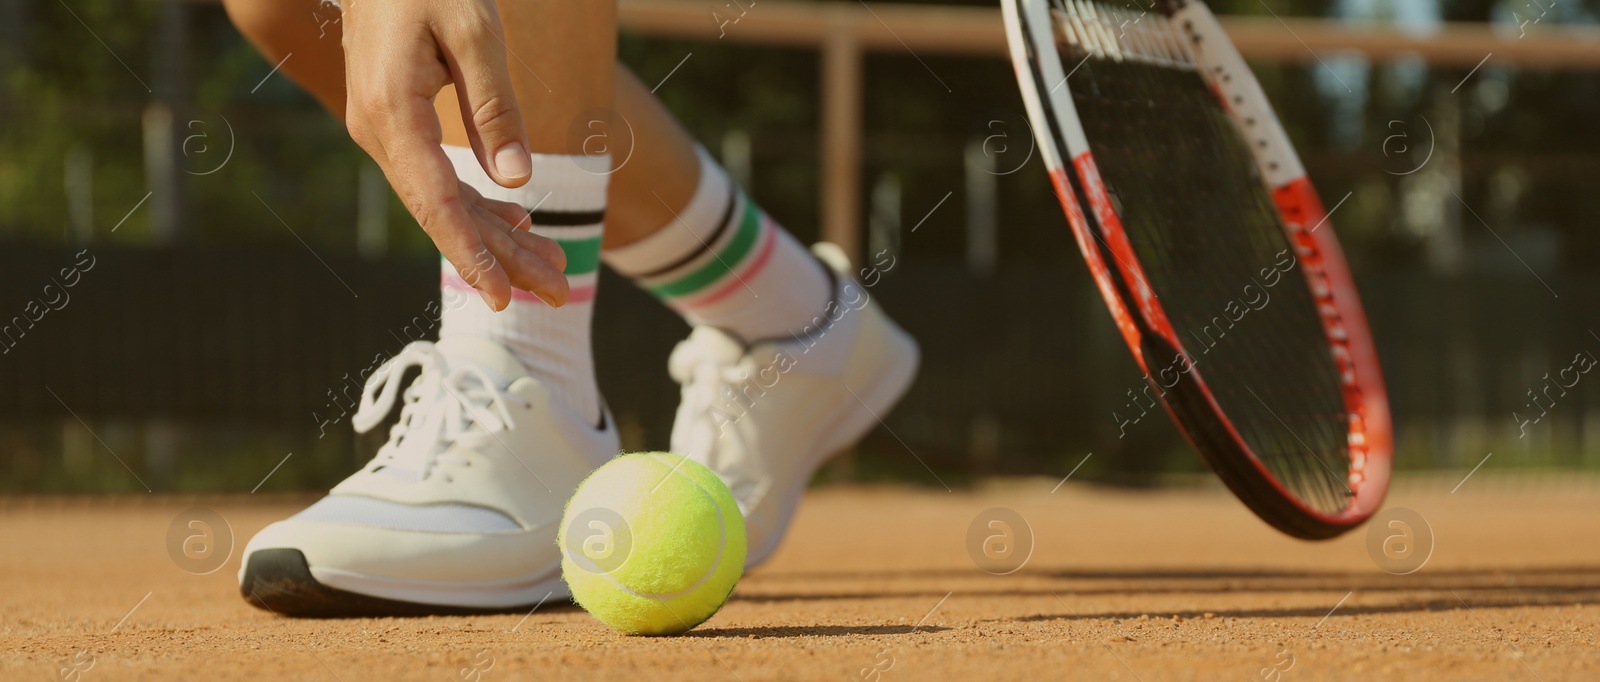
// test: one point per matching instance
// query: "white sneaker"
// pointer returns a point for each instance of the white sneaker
(457, 512)
(767, 416)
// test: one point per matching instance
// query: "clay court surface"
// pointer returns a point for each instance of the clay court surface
(877, 584)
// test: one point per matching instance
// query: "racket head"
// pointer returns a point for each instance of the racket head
(1212, 251)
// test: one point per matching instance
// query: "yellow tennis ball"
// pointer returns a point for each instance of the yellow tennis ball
(652, 543)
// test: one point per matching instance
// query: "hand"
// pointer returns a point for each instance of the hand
(398, 55)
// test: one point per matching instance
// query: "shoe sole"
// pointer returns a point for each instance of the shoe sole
(884, 390)
(279, 580)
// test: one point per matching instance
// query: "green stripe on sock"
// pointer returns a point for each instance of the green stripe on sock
(711, 272)
(583, 255)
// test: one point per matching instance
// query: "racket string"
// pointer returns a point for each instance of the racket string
(1209, 240)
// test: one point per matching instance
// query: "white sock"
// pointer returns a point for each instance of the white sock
(722, 262)
(566, 200)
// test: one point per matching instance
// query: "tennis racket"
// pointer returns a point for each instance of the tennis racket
(1212, 250)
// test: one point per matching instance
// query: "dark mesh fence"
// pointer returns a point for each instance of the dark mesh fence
(251, 354)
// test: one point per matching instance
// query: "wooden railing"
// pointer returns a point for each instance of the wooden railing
(842, 31)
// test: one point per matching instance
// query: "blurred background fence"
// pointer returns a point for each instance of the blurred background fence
(239, 263)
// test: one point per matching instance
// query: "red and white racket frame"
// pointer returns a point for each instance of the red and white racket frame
(1194, 33)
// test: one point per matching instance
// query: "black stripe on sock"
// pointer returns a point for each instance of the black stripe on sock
(722, 226)
(566, 218)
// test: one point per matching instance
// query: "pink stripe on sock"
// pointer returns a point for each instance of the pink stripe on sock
(451, 280)
(770, 233)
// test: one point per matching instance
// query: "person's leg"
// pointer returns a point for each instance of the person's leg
(765, 311)
(303, 36)
(459, 508)
(562, 56)
(677, 225)
(680, 229)
(674, 222)
(555, 88)
(662, 161)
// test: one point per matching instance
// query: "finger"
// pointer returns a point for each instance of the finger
(521, 223)
(481, 270)
(390, 114)
(474, 49)
(451, 223)
(543, 247)
(513, 214)
(527, 270)
(426, 182)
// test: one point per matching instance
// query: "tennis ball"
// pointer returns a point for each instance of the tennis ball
(652, 543)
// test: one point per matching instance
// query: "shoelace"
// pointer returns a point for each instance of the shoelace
(441, 407)
(709, 387)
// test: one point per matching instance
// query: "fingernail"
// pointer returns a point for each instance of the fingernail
(486, 300)
(512, 161)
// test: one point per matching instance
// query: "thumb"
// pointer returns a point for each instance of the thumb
(488, 104)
